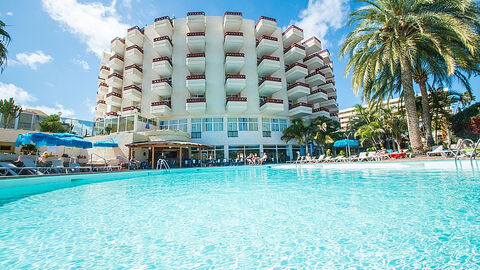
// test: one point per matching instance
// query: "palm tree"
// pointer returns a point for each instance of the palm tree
(299, 131)
(390, 34)
(4, 40)
(9, 111)
(325, 130)
(372, 131)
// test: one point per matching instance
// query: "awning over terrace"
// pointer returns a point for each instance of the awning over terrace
(176, 146)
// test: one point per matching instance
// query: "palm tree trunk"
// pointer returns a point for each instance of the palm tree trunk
(410, 107)
(426, 116)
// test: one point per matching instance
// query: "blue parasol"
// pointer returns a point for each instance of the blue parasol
(345, 143)
(147, 126)
(55, 139)
(105, 144)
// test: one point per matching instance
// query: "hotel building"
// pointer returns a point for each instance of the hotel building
(228, 82)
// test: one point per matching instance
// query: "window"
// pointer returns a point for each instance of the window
(232, 133)
(196, 125)
(163, 125)
(196, 135)
(232, 124)
(243, 124)
(275, 125)
(283, 124)
(218, 124)
(253, 124)
(267, 133)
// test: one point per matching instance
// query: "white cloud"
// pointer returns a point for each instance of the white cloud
(32, 59)
(83, 64)
(17, 93)
(9, 13)
(25, 99)
(94, 23)
(54, 110)
(90, 106)
(321, 17)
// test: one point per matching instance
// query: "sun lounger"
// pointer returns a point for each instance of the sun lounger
(438, 150)
(372, 156)
(58, 166)
(75, 167)
(361, 157)
(319, 159)
(328, 159)
(28, 162)
(10, 169)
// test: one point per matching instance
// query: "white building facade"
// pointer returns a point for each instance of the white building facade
(227, 81)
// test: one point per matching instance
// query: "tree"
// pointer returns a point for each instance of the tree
(52, 124)
(324, 130)
(4, 41)
(388, 36)
(299, 131)
(9, 111)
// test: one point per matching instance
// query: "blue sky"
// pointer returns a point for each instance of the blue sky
(54, 53)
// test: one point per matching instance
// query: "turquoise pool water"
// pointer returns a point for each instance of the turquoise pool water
(389, 216)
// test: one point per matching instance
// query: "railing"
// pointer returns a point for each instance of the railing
(119, 39)
(310, 39)
(267, 57)
(196, 100)
(299, 104)
(134, 66)
(115, 75)
(297, 84)
(271, 100)
(193, 55)
(242, 99)
(233, 34)
(101, 102)
(114, 94)
(295, 65)
(162, 81)
(135, 27)
(162, 102)
(132, 87)
(163, 38)
(292, 27)
(232, 13)
(265, 18)
(273, 79)
(294, 45)
(234, 54)
(116, 56)
(162, 163)
(312, 56)
(315, 73)
(321, 109)
(164, 18)
(196, 13)
(91, 158)
(262, 37)
(163, 58)
(196, 77)
(131, 108)
(235, 76)
(193, 34)
(473, 155)
(134, 47)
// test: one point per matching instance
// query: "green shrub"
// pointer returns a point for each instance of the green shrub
(329, 153)
(462, 122)
(342, 153)
(371, 149)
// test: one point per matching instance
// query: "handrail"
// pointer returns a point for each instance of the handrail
(474, 152)
(104, 159)
(461, 147)
(162, 163)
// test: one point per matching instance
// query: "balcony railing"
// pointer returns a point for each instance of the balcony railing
(242, 99)
(240, 34)
(295, 65)
(234, 54)
(321, 109)
(104, 67)
(164, 18)
(196, 13)
(265, 18)
(315, 73)
(297, 84)
(134, 47)
(267, 57)
(292, 27)
(193, 34)
(112, 114)
(162, 102)
(233, 13)
(134, 66)
(196, 100)
(332, 98)
(271, 100)
(115, 75)
(300, 104)
(162, 81)
(119, 39)
(102, 84)
(101, 102)
(192, 55)
(195, 77)
(135, 27)
(293, 46)
(116, 56)
(310, 39)
(115, 94)
(318, 91)
(267, 38)
(131, 108)
(163, 38)
(235, 76)
(273, 79)
(132, 87)
(164, 58)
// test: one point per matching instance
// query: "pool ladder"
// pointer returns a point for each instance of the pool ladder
(473, 155)
(162, 163)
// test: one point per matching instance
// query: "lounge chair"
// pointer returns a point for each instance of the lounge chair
(328, 159)
(75, 167)
(28, 162)
(361, 157)
(58, 166)
(300, 159)
(372, 156)
(438, 150)
(319, 159)
(8, 168)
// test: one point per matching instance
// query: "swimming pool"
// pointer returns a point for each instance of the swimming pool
(412, 215)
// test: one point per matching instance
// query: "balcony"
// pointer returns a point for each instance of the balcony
(333, 109)
(327, 70)
(133, 93)
(105, 57)
(163, 26)
(265, 26)
(135, 54)
(196, 84)
(313, 61)
(298, 90)
(99, 113)
(102, 88)
(162, 87)
(234, 62)
(266, 45)
(267, 65)
(234, 84)
(196, 42)
(271, 106)
(232, 21)
(236, 104)
(118, 46)
(133, 73)
(161, 108)
(196, 21)
(116, 62)
(318, 112)
(104, 72)
(100, 80)
(334, 116)
(115, 80)
(312, 45)
(317, 96)
(296, 71)
(196, 63)
(135, 36)
(114, 99)
(269, 85)
(130, 110)
(300, 109)
(325, 54)
(196, 105)
(163, 46)
(162, 66)
(293, 53)
(101, 105)
(330, 103)
(233, 41)
(292, 35)
(328, 86)
(111, 114)
(315, 78)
